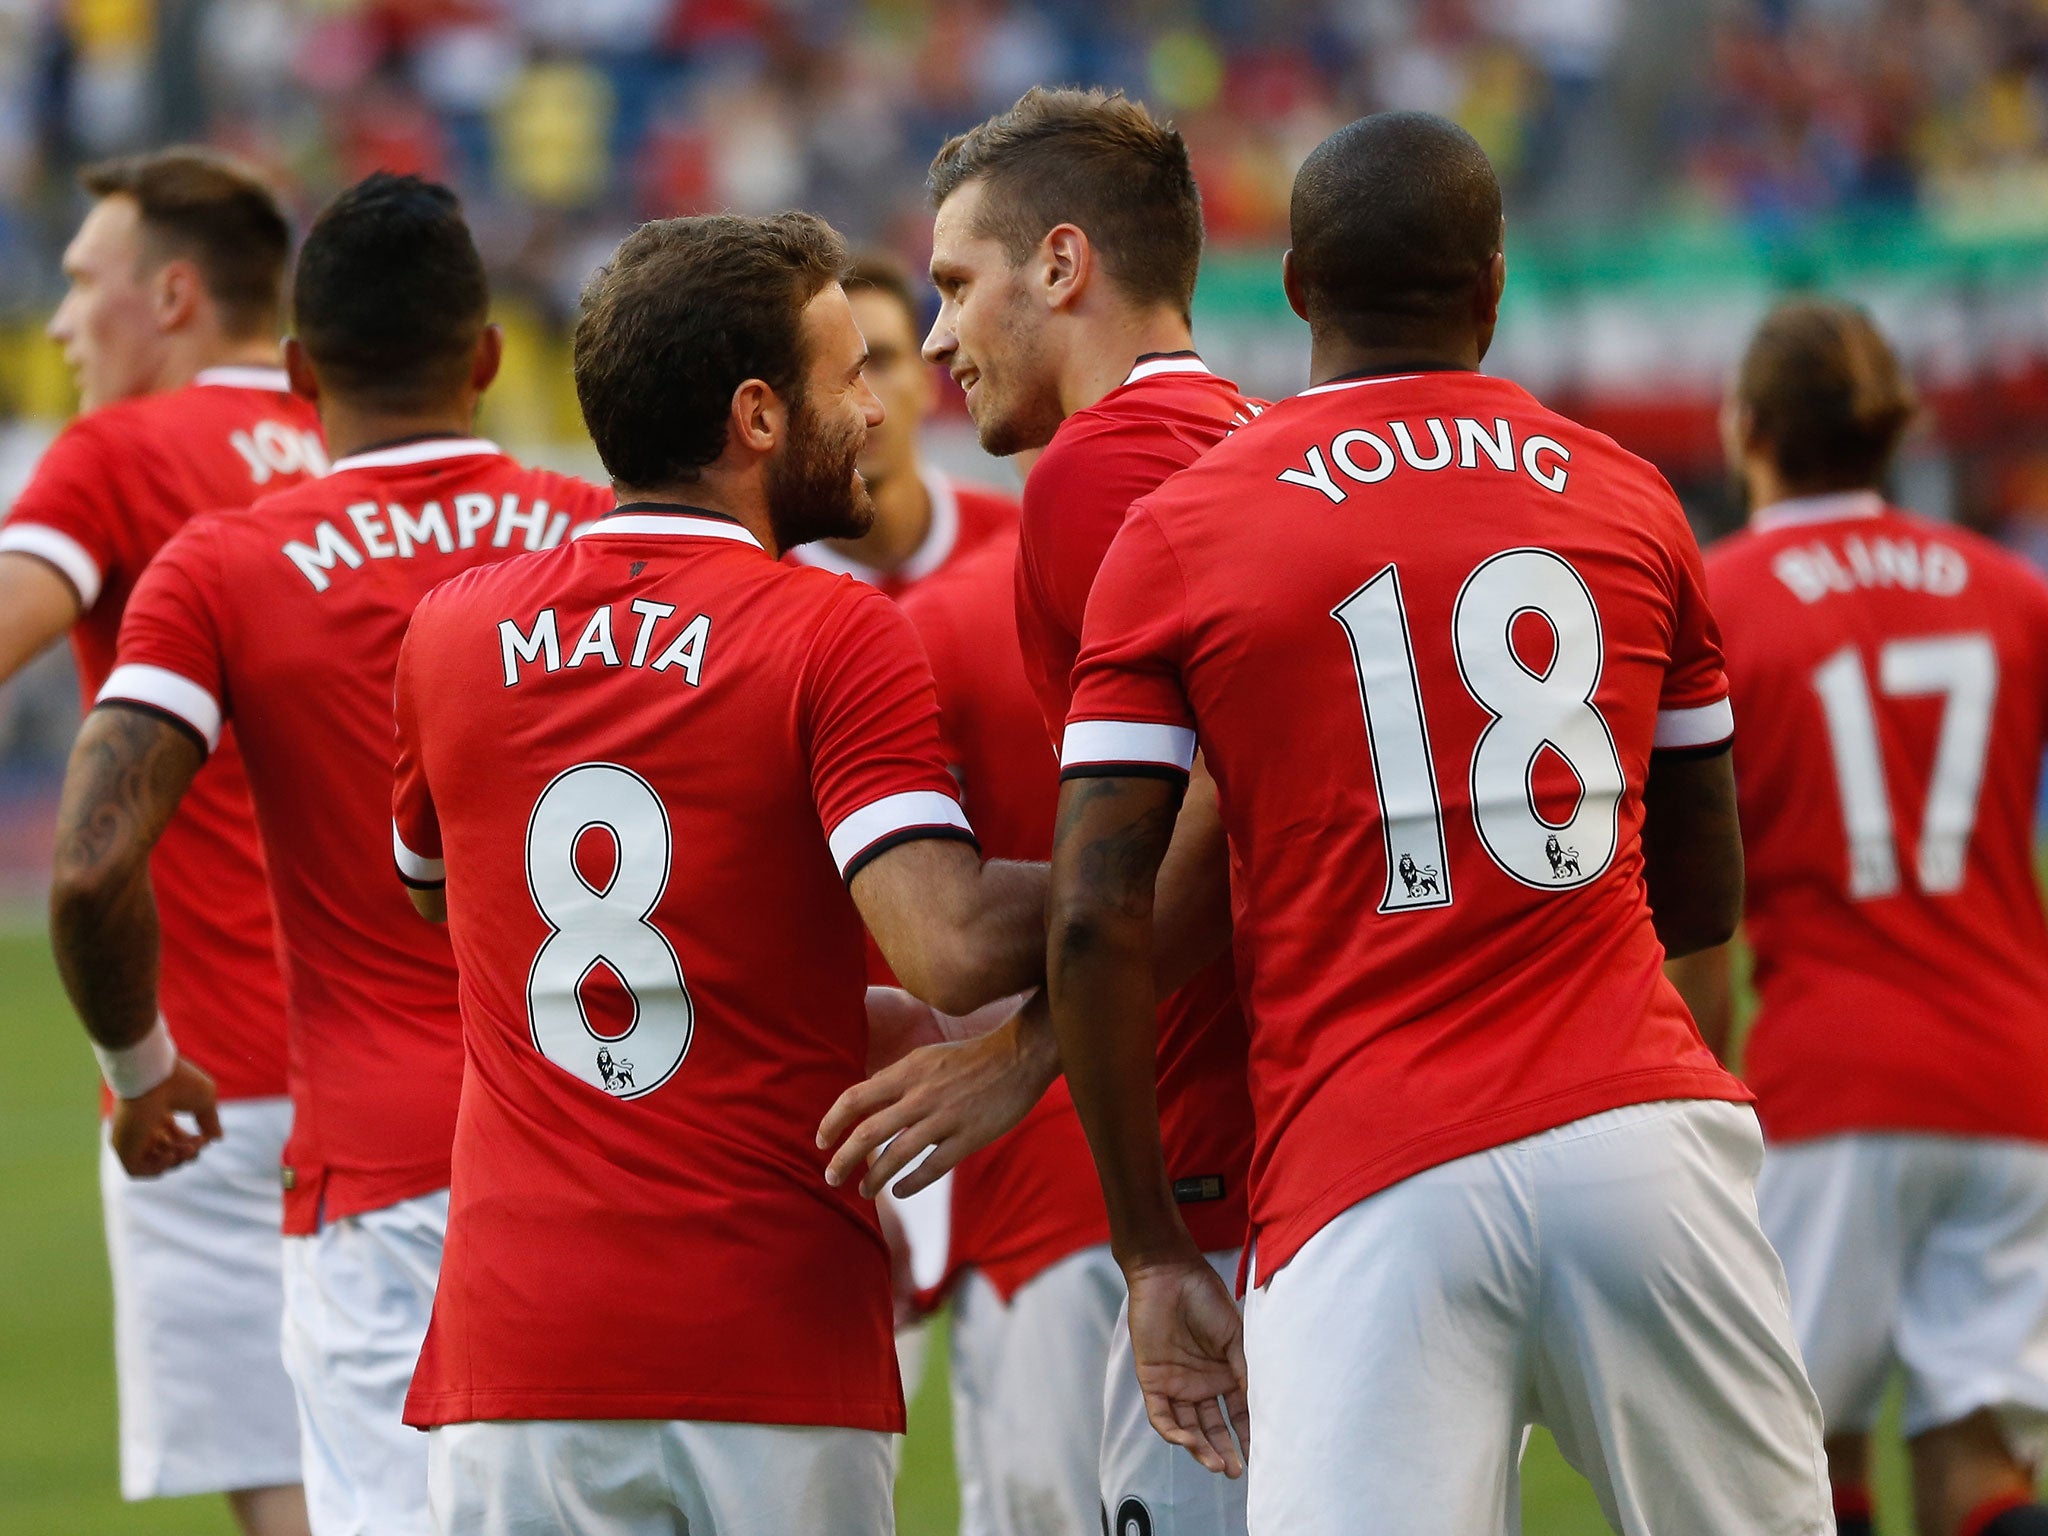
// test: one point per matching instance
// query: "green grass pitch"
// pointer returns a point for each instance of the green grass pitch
(57, 1456)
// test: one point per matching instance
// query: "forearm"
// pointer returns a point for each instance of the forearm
(958, 933)
(1703, 982)
(1004, 938)
(1191, 911)
(106, 942)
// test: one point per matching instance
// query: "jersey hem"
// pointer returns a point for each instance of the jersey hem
(1279, 1240)
(183, 726)
(1702, 752)
(898, 838)
(1166, 771)
(427, 1410)
(317, 1197)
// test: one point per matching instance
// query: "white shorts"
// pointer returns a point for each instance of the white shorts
(636, 1477)
(1027, 1397)
(1149, 1487)
(1607, 1279)
(357, 1297)
(196, 1258)
(1928, 1250)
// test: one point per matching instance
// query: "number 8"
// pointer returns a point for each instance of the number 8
(609, 925)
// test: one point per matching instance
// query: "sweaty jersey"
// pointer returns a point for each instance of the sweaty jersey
(286, 617)
(1029, 1199)
(113, 488)
(1427, 634)
(965, 519)
(646, 767)
(1167, 414)
(1891, 677)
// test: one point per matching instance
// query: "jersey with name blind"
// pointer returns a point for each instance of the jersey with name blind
(1891, 677)
(113, 487)
(965, 518)
(1030, 1199)
(1469, 621)
(1165, 416)
(286, 618)
(646, 768)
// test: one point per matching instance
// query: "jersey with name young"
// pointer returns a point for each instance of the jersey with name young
(646, 768)
(1891, 677)
(286, 618)
(112, 488)
(1469, 621)
(965, 518)
(1168, 413)
(1029, 1199)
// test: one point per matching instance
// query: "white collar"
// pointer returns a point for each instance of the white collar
(427, 452)
(677, 524)
(1379, 378)
(1833, 507)
(939, 540)
(1153, 367)
(274, 380)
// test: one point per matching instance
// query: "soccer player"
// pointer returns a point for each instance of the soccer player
(1067, 237)
(169, 323)
(1891, 677)
(1450, 660)
(665, 777)
(286, 619)
(924, 519)
(1036, 1292)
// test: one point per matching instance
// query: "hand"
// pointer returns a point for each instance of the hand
(954, 1099)
(1188, 1339)
(899, 1024)
(146, 1135)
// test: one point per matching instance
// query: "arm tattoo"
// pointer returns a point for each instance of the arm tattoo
(127, 774)
(1125, 844)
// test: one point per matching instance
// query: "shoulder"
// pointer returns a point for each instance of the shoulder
(981, 504)
(570, 492)
(981, 580)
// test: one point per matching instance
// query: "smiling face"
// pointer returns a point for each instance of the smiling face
(107, 323)
(992, 333)
(814, 486)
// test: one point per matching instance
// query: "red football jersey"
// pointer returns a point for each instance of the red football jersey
(112, 489)
(1030, 1199)
(1167, 414)
(965, 518)
(646, 766)
(1891, 677)
(1427, 633)
(287, 617)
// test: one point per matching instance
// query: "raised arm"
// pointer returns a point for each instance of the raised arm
(1692, 851)
(128, 772)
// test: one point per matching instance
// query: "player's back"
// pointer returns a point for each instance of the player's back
(287, 617)
(1430, 631)
(111, 491)
(650, 783)
(1891, 679)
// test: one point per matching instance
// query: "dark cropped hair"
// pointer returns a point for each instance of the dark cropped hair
(216, 212)
(1826, 396)
(1394, 220)
(390, 294)
(879, 272)
(686, 312)
(1095, 160)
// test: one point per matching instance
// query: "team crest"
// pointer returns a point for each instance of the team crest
(1422, 879)
(617, 1073)
(1564, 862)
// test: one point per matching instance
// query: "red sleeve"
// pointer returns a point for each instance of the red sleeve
(1131, 713)
(877, 773)
(170, 655)
(415, 826)
(1693, 713)
(68, 515)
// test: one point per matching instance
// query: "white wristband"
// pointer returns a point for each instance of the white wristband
(134, 1070)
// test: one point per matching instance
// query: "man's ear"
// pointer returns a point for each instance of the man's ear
(1492, 285)
(484, 362)
(759, 420)
(1066, 265)
(298, 368)
(177, 295)
(1290, 284)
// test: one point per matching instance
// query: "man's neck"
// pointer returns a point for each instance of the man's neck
(188, 355)
(903, 521)
(350, 431)
(1102, 353)
(1336, 357)
(740, 500)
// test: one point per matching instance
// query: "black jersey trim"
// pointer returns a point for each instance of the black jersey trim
(902, 835)
(169, 717)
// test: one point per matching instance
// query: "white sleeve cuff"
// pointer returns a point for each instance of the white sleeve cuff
(1113, 743)
(135, 683)
(133, 1070)
(1707, 726)
(416, 868)
(58, 549)
(886, 820)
